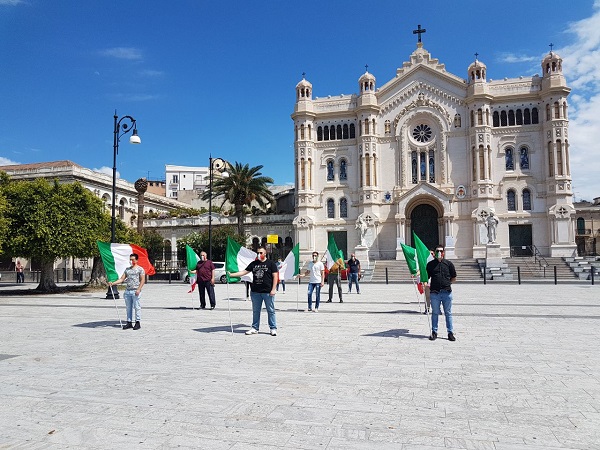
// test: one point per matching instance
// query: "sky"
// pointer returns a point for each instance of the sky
(218, 77)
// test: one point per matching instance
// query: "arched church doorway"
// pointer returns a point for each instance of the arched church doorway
(424, 223)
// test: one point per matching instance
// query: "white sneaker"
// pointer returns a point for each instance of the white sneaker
(273, 331)
(251, 331)
(316, 310)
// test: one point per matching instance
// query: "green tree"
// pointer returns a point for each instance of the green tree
(50, 221)
(154, 243)
(199, 241)
(243, 186)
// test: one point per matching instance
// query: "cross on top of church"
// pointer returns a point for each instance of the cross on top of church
(476, 55)
(303, 75)
(419, 31)
(551, 45)
(366, 67)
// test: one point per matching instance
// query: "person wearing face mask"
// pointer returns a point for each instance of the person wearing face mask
(265, 277)
(442, 274)
(353, 273)
(316, 270)
(205, 273)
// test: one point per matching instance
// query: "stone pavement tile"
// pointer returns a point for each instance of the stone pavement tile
(194, 442)
(342, 444)
(307, 442)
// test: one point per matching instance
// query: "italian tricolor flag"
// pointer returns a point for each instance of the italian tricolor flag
(291, 265)
(192, 259)
(116, 259)
(334, 255)
(237, 258)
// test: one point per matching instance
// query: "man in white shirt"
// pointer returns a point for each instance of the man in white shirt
(316, 270)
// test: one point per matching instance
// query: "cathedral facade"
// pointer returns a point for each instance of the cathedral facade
(436, 154)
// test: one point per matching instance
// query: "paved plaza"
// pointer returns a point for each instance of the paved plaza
(524, 372)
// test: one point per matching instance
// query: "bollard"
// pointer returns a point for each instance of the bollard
(519, 274)
(387, 281)
(484, 273)
(169, 277)
(592, 272)
(555, 279)
(544, 271)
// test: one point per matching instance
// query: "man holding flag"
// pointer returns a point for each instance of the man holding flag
(134, 277)
(205, 276)
(442, 274)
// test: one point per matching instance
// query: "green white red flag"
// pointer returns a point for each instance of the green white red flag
(237, 258)
(116, 259)
(192, 259)
(291, 264)
(333, 254)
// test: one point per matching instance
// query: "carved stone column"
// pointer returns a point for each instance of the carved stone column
(141, 186)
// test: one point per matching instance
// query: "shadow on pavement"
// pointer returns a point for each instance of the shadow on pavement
(225, 328)
(100, 324)
(402, 332)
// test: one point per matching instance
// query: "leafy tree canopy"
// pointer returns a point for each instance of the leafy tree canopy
(199, 241)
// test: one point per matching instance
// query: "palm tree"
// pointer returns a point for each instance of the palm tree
(244, 185)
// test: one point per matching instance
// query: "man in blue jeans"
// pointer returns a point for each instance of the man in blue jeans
(353, 273)
(316, 272)
(262, 289)
(442, 274)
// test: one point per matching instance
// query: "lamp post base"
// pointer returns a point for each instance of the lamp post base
(112, 291)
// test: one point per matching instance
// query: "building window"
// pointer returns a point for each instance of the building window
(479, 117)
(526, 200)
(519, 117)
(352, 131)
(319, 133)
(330, 208)
(175, 179)
(343, 170)
(580, 225)
(329, 170)
(343, 208)
(326, 133)
(431, 167)
(496, 119)
(422, 133)
(423, 166)
(345, 131)
(550, 160)
(302, 131)
(508, 158)
(414, 167)
(503, 121)
(524, 158)
(534, 115)
(526, 117)
(511, 200)
(472, 118)
(332, 133)
(339, 131)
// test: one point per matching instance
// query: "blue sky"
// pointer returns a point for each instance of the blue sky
(219, 77)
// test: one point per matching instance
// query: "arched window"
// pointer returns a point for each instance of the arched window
(580, 225)
(526, 200)
(352, 131)
(302, 131)
(343, 207)
(519, 117)
(330, 208)
(524, 158)
(564, 110)
(534, 115)
(319, 133)
(511, 117)
(122, 204)
(332, 133)
(479, 117)
(472, 118)
(330, 175)
(511, 200)
(457, 122)
(527, 117)
(559, 162)
(345, 131)
(309, 132)
(326, 133)
(550, 160)
(474, 161)
(481, 163)
(548, 116)
(413, 165)
(423, 166)
(556, 110)
(509, 159)
(366, 126)
(343, 170)
(431, 167)
(388, 125)
(503, 120)
(339, 131)
(496, 119)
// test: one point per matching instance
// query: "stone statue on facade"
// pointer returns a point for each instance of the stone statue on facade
(491, 223)
(362, 226)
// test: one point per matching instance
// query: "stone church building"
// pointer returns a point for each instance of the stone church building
(437, 154)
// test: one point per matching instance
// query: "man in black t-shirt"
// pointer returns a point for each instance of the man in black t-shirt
(442, 274)
(265, 277)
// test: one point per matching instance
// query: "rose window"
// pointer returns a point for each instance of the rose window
(422, 133)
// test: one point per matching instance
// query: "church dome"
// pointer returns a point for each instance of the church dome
(477, 70)
(304, 89)
(552, 63)
(366, 82)
(304, 83)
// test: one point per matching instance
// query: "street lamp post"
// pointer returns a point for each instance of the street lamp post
(126, 124)
(217, 164)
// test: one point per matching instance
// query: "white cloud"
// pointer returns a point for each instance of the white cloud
(10, 2)
(129, 53)
(514, 58)
(151, 73)
(106, 171)
(581, 60)
(5, 161)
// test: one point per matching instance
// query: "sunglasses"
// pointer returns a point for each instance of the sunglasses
(261, 253)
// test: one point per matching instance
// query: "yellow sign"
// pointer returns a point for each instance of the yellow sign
(272, 238)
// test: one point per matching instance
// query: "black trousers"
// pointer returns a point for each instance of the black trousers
(205, 285)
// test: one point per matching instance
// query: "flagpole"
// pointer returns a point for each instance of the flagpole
(297, 295)
(116, 307)
(229, 307)
(192, 292)
(417, 294)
